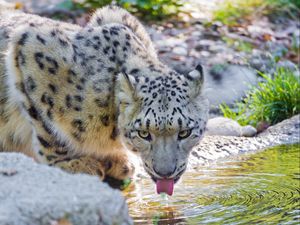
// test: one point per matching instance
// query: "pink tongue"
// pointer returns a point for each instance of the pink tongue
(165, 185)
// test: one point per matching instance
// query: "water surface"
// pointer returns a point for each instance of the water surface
(260, 188)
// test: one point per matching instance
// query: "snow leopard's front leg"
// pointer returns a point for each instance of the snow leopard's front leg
(81, 164)
(117, 166)
(59, 155)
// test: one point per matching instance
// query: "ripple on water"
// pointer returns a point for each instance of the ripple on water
(255, 188)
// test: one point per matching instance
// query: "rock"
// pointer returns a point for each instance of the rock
(215, 147)
(7, 5)
(205, 53)
(262, 61)
(204, 45)
(38, 6)
(285, 132)
(289, 66)
(196, 34)
(248, 131)
(171, 42)
(194, 53)
(154, 34)
(180, 50)
(218, 48)
(215, 25)
(32, 193)
(266, 63)
(261, 126)
(228, 83)
(257, 31)
(228, 127)
(277, 50)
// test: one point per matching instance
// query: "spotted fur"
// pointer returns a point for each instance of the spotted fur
(78, 97)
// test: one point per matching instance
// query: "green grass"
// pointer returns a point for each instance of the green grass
(147, 9)
(231, 12)
(272, 101)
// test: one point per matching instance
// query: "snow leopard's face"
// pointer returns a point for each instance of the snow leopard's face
(163, 120)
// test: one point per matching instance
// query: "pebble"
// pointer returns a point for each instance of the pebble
(180, 51)
(204, 44)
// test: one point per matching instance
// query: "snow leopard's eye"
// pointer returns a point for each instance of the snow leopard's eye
(184, 134)
(145, 135)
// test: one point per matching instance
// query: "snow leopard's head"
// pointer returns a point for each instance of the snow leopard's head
(162, 117)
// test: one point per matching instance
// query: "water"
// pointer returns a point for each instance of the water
(260, 188)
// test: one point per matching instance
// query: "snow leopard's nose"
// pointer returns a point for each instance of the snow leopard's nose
(164, 171)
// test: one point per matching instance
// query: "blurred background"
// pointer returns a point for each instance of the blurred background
(249, 48)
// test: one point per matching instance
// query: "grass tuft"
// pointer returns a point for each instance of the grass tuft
(271, 102)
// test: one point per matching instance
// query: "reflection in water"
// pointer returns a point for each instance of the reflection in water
(261, 188)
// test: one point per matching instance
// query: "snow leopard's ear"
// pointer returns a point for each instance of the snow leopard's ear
(130, 82)
(195, 79)
(127, 84)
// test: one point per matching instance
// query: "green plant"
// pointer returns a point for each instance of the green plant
(231, 11)
(238, 113)
(152, 9)
(148, 9)
(91, 4)
(272, 101)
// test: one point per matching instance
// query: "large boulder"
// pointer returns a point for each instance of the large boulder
(35, 194)
(227, 127)
(225, 83)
